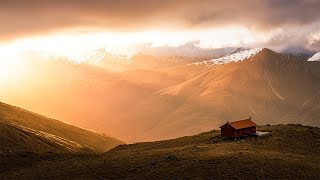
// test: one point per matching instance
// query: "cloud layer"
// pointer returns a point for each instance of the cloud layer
(23, 18)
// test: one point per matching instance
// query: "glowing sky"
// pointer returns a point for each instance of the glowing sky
(79, 46)
(76, 28)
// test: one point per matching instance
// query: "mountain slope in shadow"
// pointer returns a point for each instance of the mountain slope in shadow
(24, 131)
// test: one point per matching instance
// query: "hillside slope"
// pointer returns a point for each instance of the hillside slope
(22, 130)
(15, 139)
(268, 86)
(289, 152)
(308, 112)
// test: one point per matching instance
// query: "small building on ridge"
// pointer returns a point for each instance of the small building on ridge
(239, 128)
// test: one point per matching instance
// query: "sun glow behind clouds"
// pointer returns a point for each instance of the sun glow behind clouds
(79, 46)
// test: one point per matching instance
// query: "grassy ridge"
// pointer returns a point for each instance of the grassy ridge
(290, 152)
(35, 126)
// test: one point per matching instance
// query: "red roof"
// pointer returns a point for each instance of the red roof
(241, 124)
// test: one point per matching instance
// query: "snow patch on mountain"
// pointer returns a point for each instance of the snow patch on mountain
(234, 56)
(315, 57)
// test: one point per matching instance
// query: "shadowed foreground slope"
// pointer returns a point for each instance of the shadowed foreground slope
(290, 152)
(24, 131)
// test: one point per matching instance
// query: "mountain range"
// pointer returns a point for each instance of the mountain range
(157, 98)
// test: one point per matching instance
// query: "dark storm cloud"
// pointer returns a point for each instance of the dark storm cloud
(36, 16)
(24, 17)
(257, 14)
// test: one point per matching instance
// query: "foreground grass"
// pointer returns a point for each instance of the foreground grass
(290, 152)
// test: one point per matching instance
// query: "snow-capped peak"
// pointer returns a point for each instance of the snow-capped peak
(315, 57)
(234, 56)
